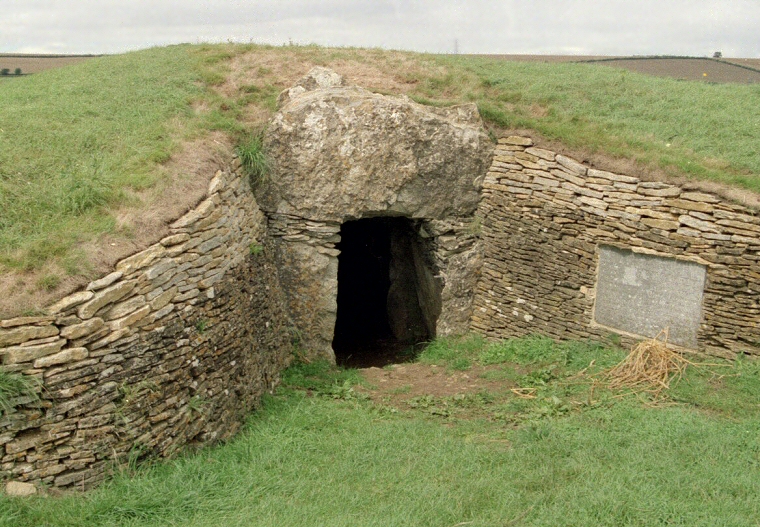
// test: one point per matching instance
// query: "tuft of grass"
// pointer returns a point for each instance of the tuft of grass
(255, 248)
(77, 141)
(202, 325)
(48, 282)
(197, 404)
(444, 350)
(253, 157)
(703, 131)
(531, 350)
(319, 377)
(14, 387)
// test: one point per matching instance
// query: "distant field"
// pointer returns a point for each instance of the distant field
(703, 69)
(752, 63)
(37, 63)
(740, 70)
(745, 71)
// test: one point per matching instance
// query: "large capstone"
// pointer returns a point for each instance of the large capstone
(344, 152)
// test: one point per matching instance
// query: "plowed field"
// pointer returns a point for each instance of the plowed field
(34, 64)
(698, 69)
(709, 70)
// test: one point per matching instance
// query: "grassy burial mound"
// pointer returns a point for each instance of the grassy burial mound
(97, 157)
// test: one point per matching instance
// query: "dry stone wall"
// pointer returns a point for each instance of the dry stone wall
(175, 346)
(544, 218)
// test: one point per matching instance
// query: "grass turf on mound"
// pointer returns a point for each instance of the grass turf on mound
(706, 131)
(79, 143)
(74, 140)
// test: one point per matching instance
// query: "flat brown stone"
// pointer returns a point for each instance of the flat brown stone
(700, 225)
(80, 330)
(700, 196)
(19, 489)
(175, 239)
(163, 299)
(25, 443)
(70, 301)
(516, 140)
(105, 297)
(107, 280)
(141, 259)
(26, 333)
(195, 215)
(689, 205)
(124, 308)
(62, 357)
(124, 323)
(668, 192)
(541, 153)
(572, 165)
(18, 354)
(665, 225)
(26, 321)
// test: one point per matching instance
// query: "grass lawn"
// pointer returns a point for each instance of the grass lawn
(324, 452)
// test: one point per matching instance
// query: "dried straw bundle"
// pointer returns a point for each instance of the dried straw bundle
(650, 367)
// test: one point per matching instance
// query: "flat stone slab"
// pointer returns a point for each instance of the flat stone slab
(644, 294)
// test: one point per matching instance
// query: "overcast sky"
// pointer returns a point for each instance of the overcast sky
(589, 27)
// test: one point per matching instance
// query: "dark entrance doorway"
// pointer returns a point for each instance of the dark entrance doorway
(388, 295)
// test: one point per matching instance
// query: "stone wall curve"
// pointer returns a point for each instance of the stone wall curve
(178, 344)
(175, 346)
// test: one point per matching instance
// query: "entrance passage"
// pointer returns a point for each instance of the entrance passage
(388, 296)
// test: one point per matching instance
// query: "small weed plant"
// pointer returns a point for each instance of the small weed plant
(198, 404)
(255, 249)
(202, 325)
(48, 282)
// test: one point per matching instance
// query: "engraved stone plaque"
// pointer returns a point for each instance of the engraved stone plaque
(643, 294)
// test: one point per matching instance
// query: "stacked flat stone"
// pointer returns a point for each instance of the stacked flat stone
(176, 345)
(544, 215)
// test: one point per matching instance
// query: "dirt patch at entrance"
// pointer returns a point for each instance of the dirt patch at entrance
(399, 384)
